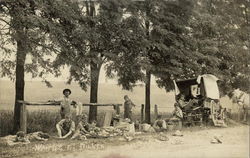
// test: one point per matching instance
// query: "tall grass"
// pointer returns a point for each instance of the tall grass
(6, 122)
(45, 120)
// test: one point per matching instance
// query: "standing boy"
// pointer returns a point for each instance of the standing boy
(128, 105)
(65, 103)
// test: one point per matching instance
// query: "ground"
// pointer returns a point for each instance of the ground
(195, 142)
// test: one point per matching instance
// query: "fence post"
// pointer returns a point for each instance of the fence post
(23, 118)
(156, 111)
(117, 108)
(142, 113)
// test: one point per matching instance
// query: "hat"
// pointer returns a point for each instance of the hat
(67, 90)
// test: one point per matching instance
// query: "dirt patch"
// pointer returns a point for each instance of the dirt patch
(196, 142)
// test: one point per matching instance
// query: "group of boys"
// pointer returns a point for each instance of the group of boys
(66, 127)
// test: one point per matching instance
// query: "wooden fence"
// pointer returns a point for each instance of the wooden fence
(23, 115)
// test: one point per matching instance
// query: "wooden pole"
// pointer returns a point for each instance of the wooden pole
(117, 108)
(142, 113)
(58, 103)
(23, 118)
(156, 111)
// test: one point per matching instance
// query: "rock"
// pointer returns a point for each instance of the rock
(216, 140)
(128, 138)
(162, 137)
(178, 133)
(147, 128)
(177, 141)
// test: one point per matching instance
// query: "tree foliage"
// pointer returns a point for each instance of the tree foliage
(25, 16)
(221, 29)
(23, 34)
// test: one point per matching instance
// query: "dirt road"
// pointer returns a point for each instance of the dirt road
(235, 143)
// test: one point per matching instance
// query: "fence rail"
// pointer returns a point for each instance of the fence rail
(58, 103)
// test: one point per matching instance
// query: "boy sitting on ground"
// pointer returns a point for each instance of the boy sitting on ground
(93, 129)
(82, 129)
(160, 124)
(65, 127)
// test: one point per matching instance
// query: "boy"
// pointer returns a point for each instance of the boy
(65, 127)
(177, 116)
(160, 124)
(181, 101)
(128, 104)
(177, 113)
(82, 129)
(65, 103)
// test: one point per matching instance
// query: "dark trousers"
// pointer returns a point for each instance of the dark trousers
(128, 114)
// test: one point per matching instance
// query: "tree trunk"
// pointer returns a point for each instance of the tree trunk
(148, 73)
(94, 74)
(147, 97)
(19, 87)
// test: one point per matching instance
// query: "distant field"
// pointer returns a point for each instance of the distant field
(108, 93)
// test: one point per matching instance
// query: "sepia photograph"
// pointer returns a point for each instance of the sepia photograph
(124, 78)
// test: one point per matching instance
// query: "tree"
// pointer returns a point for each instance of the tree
(22, 37)
(89, 38)
(125, 44)
(162, 25)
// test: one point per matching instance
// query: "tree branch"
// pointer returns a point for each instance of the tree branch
(1, 19)
(46, 47)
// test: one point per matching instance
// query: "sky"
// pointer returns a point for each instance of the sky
(65, 71)
(65, 75)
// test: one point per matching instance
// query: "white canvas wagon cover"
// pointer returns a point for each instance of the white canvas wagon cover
(208, 86)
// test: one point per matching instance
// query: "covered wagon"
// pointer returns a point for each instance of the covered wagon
(202, 104)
